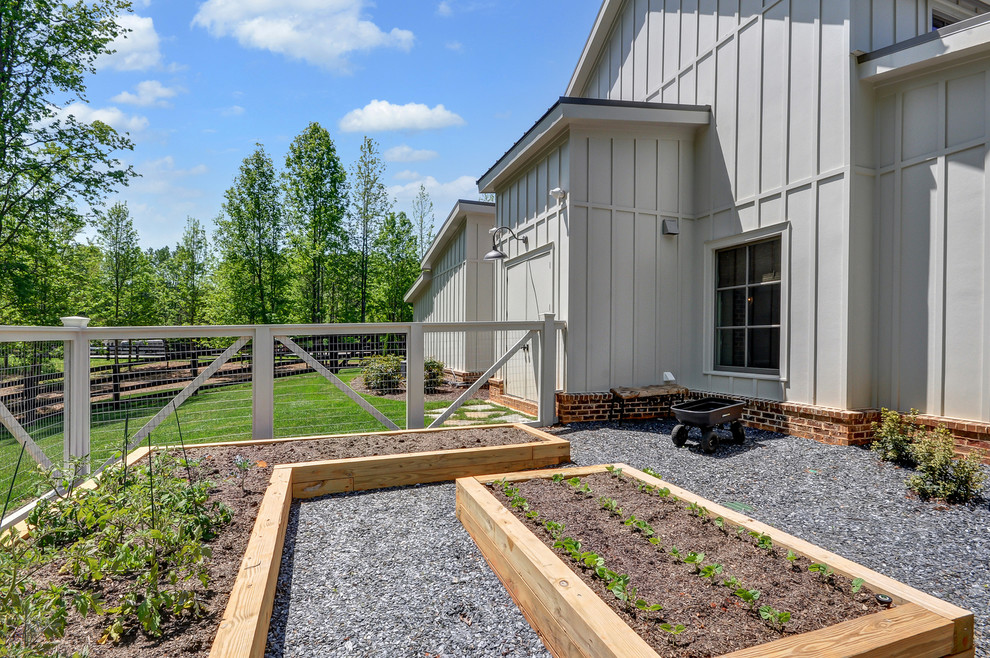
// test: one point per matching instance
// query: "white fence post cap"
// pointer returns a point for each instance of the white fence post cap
(77, 321)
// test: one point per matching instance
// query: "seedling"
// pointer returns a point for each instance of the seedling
(792, 557)
(647, 607)
(732, 583)
(611, 505)
(673, 631)
(763, 541)
(857, 585)
(614, 472)
(774, 618)
(559, 477)
(532, 514)
(719, 523)
(823, 570)
(575, 481)
(697, 510)
(710, 571)
(676, 553)
(243, 465)
(749, 596)
(650, 471)
(695, 559)
(554, 529)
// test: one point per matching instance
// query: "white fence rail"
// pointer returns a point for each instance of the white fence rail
(91, 393)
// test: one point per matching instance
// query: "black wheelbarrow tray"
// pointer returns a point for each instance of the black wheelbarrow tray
(707, 415)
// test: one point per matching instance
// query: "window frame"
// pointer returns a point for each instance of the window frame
(712, 247)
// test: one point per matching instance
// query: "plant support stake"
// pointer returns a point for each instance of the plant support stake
(10, 491)
(185, 457)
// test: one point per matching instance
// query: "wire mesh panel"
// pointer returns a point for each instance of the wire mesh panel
(340, 384)
(132, 381)
(461, 358)
(32, 392)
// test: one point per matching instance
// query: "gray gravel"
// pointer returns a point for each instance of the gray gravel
(393, 573)
(840, 498)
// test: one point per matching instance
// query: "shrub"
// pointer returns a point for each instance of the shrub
(940, 475)
(432, 375)
(893, 437)
(382, 374)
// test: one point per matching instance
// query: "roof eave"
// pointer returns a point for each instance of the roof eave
(569, 112)
(964, 40)
(450, 225)
(592, 47)
(418, 287)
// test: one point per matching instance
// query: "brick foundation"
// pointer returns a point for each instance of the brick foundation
(824, 424)
(573, 408)
(496, 394)
(462, 378)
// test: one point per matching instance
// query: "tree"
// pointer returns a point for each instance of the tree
(423, 219)
(190, 271)
(122, 262)
(50, 163)
(370, 204)
(249, 234)
(396, 268)
(314, 182)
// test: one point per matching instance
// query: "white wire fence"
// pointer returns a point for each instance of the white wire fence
(93, 394)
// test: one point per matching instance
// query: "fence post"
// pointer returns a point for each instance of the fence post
(76, 395)
(548, 371)
(415, 358)
(263, 383)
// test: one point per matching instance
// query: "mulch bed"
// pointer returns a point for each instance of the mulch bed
(445, 393)
(717, 622)
(185, 637)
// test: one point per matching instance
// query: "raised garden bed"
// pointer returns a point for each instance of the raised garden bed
(247, 551)
(570, 594)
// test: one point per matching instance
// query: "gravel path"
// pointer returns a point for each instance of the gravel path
(391, 573)
(335, 598)
(841, 498)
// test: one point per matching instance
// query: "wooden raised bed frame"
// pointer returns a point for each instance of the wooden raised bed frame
(243, 631)
(574, 621)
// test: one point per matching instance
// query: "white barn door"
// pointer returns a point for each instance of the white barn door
(528, 294)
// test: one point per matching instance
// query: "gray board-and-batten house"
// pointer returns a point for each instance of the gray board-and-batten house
(784, 201)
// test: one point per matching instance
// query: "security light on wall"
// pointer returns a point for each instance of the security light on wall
(559, 194)
(496, 253)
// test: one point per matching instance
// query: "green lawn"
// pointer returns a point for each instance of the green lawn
(305, 405)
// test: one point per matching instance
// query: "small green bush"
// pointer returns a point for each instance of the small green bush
(894, 435)
(433, 375)
(382, 374)
(940, 474)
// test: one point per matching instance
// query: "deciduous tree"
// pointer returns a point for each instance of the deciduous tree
(369, 206)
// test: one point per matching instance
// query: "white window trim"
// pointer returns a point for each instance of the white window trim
(783, 231)
(948, 9)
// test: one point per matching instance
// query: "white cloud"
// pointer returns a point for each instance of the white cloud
(380, 116)
(443, 195)
(232, 111)
(138, 49)
(408, 175)
(149, 92)
(321, 32)
(111, 116)
(456, 46)
(444, 8)
(406, 153)
(161, 178)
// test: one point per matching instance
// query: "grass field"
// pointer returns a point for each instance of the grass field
(305, 405)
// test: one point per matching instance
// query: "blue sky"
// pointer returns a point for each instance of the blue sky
(444, 87)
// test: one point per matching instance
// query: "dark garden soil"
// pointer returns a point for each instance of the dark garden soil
(445, 393)
(717, 621)
(195, 637)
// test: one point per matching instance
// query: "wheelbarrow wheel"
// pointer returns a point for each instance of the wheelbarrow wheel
(679, 435)
(738, 433)
(709, 439)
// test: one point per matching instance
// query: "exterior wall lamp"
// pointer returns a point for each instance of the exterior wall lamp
(496, 253)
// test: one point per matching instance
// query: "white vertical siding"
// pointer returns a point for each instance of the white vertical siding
(623, 322)
(933, 250)
(777, 75)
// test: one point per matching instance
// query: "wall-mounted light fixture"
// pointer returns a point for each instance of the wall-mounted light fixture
(559, 194)
(496, 253)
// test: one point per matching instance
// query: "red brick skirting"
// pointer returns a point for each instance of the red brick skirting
(824, 424)
(496, 394)
(461, 377)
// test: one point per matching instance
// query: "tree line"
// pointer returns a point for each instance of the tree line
(311, 243)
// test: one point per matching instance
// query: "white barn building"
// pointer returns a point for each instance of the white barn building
(779, 200)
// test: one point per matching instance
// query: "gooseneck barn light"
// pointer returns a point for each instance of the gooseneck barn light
(496, 253)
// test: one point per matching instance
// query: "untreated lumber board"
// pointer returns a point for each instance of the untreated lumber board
(919, 626)
(586, 621)
(244, 628)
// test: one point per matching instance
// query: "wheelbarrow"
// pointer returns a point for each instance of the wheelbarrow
(707, 415)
